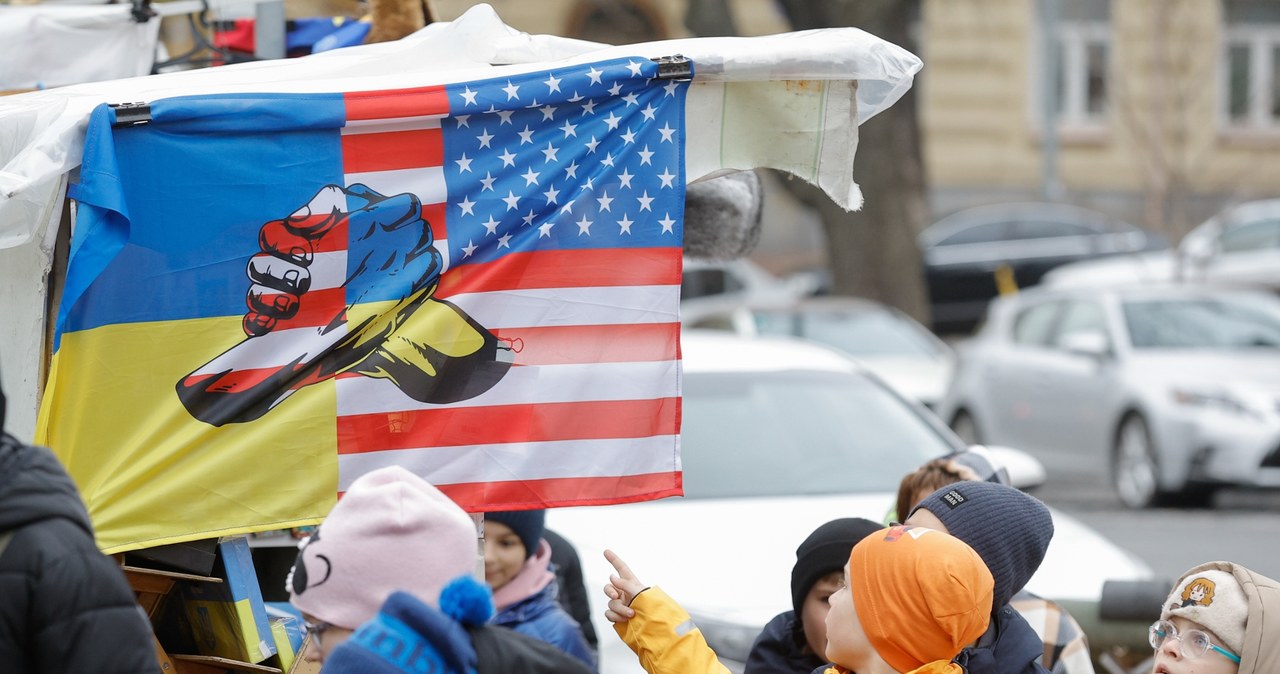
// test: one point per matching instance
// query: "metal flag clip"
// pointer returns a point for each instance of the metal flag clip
(131, 114)
(675, 67)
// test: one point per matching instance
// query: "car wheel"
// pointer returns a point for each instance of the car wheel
(1135, 468)
(965, 427)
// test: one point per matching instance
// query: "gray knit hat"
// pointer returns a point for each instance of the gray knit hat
(1010, 530)
(983, 463)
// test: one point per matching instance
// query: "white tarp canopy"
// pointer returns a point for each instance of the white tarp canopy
(791, 102)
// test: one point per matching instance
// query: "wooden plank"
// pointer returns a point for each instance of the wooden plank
(175, 575)
(301, 665)
(208, 664)
(166, 665)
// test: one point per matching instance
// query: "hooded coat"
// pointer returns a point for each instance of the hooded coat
(64, 606)
(1261, 651)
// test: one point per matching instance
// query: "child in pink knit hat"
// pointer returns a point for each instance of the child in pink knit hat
(391, 531)
(387, 584)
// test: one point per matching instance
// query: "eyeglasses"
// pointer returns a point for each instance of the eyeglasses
(1191, 644)
(315, 630)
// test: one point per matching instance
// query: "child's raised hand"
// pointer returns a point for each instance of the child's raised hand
(622, 588)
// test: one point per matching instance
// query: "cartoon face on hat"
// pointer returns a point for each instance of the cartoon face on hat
(1199, 592)
(1214, 599)
(300, 579)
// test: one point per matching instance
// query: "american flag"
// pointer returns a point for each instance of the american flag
(556, 200)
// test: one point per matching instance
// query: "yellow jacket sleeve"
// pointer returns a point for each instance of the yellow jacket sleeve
(664, 637)
(938, 667)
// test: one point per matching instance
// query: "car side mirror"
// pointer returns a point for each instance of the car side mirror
(1197, 252)
(1092, 343)
(1025, 471)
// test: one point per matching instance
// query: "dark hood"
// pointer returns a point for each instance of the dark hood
(34, 486)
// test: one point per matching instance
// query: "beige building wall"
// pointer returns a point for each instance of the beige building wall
(971, 94)
(1161, 141)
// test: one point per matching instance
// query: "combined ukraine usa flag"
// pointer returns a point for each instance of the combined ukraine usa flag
(271, 295)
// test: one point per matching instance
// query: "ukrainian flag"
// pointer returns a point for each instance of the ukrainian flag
(156, 284)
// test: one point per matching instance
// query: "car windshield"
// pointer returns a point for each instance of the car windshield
(1247, 321)
(859, 333)
(797, 433)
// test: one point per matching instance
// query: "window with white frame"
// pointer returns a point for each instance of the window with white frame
(1250, 79)
(1082, 61)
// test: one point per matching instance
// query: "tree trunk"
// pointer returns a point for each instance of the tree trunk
(873, 252)
(709, 18)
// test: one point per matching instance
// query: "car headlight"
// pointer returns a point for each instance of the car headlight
(729, 640)
(1236, 402)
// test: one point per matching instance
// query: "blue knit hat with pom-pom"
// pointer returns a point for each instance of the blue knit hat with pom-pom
(467, 600)
(407, 635)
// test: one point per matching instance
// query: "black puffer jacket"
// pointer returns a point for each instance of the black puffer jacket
(1009, 646)
(781, 649)
(64, 606)
(503, 651)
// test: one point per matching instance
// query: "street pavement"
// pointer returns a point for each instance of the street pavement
(1242, 526)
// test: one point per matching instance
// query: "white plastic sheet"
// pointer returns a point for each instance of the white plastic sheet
(52, 46)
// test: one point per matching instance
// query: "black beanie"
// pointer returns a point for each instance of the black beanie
(825, 550)
(527, 524)
(1008, 529)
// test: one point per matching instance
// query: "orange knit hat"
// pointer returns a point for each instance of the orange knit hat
(921, 595)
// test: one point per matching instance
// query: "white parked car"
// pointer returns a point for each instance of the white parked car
(715, 286)
(1239, 246)
(884, 340)
(1170, 390)
(779, 436)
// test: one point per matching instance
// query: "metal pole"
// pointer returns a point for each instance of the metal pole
(1051, 185)
(269, 29)
(478, 520)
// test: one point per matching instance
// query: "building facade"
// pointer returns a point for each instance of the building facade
(1164, 110)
